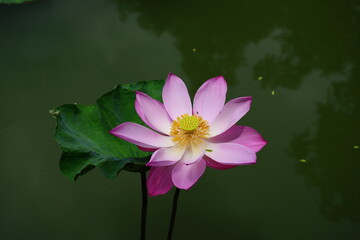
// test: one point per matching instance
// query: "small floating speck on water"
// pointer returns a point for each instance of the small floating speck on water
(273, 92)
(303, 160)
(260, 78)
(356, 147)
(194, 49)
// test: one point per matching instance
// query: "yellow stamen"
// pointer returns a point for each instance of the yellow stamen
(189, 130)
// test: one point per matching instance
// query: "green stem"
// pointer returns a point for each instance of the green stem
(173, 213)
(144, 205)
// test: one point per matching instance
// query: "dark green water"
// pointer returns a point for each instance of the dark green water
(308, 53)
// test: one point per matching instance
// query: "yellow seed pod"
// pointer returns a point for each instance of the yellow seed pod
(189, 123)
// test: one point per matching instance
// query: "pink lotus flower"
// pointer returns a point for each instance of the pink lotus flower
(189, 138)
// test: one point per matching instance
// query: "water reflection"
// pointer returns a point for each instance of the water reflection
(332, 161)
(220, 34)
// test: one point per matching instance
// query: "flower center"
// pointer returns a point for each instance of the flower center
(189, 123)
(189, 130)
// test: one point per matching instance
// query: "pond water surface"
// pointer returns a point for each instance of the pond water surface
(300, 61)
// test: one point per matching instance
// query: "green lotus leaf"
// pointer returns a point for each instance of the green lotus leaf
(14, 1)
(82, 131)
